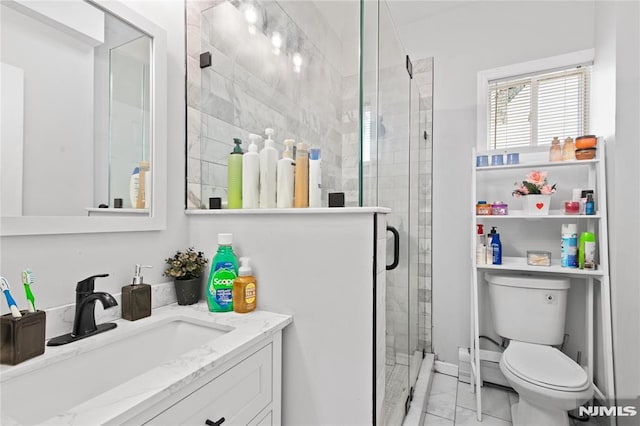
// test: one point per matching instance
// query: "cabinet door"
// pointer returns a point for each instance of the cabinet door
(263, 419)
(237, 395)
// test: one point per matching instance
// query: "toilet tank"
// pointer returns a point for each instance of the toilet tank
(529, 308)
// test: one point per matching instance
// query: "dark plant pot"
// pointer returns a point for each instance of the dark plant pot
(188, 291)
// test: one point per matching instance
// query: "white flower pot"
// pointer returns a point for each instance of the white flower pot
(536, 204)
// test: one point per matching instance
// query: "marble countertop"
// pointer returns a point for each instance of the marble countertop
(143, 391)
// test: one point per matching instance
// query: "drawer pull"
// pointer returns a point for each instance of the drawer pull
(218, 423)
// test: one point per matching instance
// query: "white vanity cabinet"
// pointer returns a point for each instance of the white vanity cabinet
(244, 391)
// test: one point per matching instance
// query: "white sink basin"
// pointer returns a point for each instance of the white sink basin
(61, 385)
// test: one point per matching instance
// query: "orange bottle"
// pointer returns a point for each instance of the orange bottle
(568, 150)
(301, 190)
(245, 296)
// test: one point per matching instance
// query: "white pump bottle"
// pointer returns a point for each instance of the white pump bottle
(286, 167)
(251, 175)
(268, 166)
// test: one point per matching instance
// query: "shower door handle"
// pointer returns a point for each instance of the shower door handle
(396, 248)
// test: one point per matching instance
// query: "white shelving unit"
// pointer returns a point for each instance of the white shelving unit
(594, 172)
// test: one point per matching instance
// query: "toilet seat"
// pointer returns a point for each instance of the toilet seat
(544, 366)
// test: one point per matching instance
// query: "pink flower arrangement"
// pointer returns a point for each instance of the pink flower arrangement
(534, 183)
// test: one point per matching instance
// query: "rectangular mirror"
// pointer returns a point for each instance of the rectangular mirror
(83, 118)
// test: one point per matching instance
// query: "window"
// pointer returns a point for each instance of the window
(531, 110)
(366, 134)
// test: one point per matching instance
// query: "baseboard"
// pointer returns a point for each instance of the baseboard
(446, 368)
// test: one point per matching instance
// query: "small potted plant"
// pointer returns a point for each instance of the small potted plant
(536, 192)
(186, 268)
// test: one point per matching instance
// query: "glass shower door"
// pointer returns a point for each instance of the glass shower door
(391, 159)
(387, 157)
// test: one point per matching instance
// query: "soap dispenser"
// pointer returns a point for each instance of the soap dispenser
(244, 288)
(136, 298)
(234, 176)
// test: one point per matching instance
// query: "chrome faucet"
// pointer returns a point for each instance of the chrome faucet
(84, 322)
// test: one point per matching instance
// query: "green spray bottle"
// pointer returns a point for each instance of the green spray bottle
(224, 270)
(234, 176)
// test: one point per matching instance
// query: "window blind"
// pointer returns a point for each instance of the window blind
(533, 110)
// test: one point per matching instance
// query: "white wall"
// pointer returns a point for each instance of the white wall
(623, 187)
(464, 40)
(59, 262)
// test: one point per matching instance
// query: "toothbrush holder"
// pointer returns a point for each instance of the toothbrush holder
(22, 338)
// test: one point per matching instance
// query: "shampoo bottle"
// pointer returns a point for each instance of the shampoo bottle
(244, 289)
(488, 248)
(315, 178)
(284, 195)
(224, 270)
(301, 198)
(136, 297)
(589, 205)
(251, 175)
(268, 166)
(496, 247)
(234, 176)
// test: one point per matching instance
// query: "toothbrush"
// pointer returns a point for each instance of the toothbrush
(27, 280)
(4, 286)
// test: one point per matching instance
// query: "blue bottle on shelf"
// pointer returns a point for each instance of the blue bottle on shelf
(496, 247)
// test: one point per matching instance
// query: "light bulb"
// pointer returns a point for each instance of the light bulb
(251, 15)
(276, 40)
(297, 60)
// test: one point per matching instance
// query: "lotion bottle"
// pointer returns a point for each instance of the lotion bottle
(234, 176)
(134, 187)
(251, 175)
(268, 166)
(284, 195)
(301, 198)
(481, 248)
(136, 297)
(315, 178)
(244, 289)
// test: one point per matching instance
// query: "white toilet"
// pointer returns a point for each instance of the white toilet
(530, 310)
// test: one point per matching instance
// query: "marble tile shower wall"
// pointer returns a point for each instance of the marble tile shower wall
(389, 164)
(423, 77)
(249, 88)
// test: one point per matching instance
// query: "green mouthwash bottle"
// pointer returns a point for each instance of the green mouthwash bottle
(224, 270)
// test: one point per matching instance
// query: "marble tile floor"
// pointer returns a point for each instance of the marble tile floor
(451, 403)
(395, 393)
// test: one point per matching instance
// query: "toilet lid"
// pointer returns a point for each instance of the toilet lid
(544, 366)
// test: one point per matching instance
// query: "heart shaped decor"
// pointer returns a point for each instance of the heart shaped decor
(539, 206)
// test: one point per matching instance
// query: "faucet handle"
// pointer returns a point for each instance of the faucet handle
(87, 285)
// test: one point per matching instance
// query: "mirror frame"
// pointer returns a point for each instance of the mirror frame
(157, 218)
